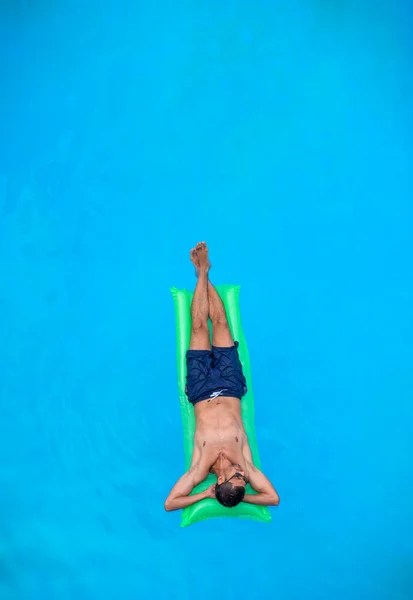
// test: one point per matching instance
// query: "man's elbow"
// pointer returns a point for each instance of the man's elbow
(168, 505)
(275, 500)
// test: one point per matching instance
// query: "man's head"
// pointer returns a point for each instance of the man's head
(230, 488)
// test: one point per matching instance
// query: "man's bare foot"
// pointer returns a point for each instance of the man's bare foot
(194, 260)
(199, 258)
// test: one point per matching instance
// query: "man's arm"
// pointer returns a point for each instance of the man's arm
(267, 495)
(179, 495)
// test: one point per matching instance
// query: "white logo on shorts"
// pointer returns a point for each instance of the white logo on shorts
(216, 394)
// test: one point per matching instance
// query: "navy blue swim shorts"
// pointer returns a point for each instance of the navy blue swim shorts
(213, 373)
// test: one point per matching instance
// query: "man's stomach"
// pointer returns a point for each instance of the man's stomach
(221, 407)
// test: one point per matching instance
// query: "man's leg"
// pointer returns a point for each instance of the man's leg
(200, 305)
(221, 335)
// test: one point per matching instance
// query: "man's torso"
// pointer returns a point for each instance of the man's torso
(219, 428)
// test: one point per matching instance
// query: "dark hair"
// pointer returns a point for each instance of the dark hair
(229, 495)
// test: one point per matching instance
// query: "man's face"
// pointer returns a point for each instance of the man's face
(235, 473)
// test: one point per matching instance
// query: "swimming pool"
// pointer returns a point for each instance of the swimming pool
(283, 136)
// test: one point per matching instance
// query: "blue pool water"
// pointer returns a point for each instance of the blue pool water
(282, 133)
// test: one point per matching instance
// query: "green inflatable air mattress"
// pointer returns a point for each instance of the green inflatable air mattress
(209, 508)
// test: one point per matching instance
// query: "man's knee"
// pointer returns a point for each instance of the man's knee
(221, 334)
(199, 325)
(220, 319)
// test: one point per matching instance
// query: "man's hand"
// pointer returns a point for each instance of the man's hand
(210, 491)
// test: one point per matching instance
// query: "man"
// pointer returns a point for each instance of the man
(215, 386)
